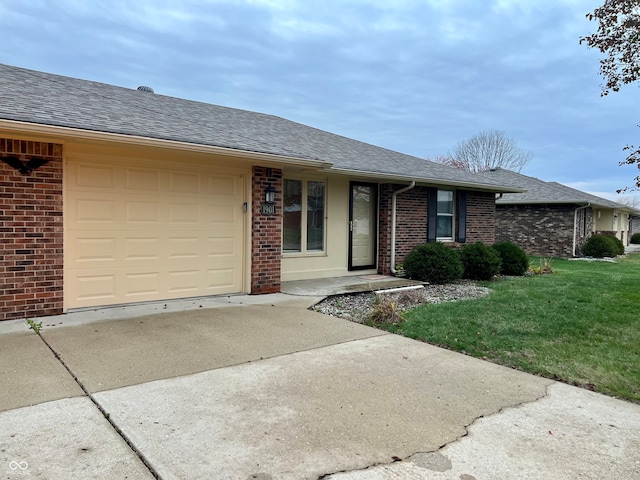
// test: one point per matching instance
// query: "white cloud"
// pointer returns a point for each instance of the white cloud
(413, 75)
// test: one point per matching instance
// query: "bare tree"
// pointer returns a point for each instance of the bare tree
(633, 202)
(486, 150)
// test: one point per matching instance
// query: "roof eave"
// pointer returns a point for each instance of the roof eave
(427, 181)
(557, 202)
(68, 133)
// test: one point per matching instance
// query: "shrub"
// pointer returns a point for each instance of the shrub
(433, 263)
(617, 243)
(635, 238)
(514, 259)
(479, 261)
(599, 246)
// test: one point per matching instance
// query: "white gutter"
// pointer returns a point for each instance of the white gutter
(68, 133)
(439, 182)
(575, 225)
(393, 223)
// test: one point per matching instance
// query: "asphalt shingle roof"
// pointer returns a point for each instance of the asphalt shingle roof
(539, 191)
(54, 100)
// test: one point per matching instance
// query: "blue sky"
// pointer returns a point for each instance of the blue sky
(416, 76)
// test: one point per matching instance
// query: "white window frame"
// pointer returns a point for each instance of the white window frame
(451, 215)
(303, 219)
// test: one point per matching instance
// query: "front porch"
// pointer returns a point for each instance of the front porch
(324, 287)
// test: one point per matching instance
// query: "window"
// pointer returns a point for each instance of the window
(303, 216)
(444, 225)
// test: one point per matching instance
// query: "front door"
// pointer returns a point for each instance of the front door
(363, 227)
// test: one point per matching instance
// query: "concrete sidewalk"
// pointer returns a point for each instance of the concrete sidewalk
(262, 388)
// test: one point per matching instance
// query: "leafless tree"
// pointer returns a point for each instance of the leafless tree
(633, 201)
(486, 150)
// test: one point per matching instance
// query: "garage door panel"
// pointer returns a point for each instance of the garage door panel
(94, 211)
(142, 249)
(137, 233)
(220, 279)
(184, 183)
(145, 212)
(184, 213)
(184, 248)
(94, 287)
(221, 185)
(93, 176)
(94, 249)
(142, 179)
(222, 214)
(184, 280)
(222, 247)
(142, 284)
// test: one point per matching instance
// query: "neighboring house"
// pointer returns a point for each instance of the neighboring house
(551, 219)
(111, 195)
(634, 224)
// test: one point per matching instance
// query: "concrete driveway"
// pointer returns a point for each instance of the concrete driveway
(262, 388)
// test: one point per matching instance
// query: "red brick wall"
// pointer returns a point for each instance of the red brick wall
(481, 217)
(266, 234)
(31, 232)
(384, 229)
(411, 221)
(540, 230)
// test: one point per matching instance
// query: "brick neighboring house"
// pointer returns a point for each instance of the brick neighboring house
(112, 195)
(552, 220)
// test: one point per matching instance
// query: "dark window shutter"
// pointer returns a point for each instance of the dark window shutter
(432, 214)
(461, 208)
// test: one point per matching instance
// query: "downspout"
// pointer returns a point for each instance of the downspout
(575, 225)
(393, 224)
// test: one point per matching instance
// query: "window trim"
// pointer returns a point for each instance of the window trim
(451, 215)
(303, 219)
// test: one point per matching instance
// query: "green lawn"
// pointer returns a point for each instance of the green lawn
(579, 325)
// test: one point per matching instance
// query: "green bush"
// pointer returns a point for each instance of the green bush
(600, 246)
(479, 261)
(617, 243)
(514, 259)
(433, 263)
(635, 238)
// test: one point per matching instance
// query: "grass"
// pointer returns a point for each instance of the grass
(579, 325)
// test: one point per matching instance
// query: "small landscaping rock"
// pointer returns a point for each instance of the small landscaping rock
(358, 307)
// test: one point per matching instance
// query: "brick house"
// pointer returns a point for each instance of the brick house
(552, 220)
(112, 195)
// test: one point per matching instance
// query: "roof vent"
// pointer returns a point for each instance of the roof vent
(144, 88)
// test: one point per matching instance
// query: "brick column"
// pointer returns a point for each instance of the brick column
(384, 228)
(481, 217)
(266, 233)
(31, 232)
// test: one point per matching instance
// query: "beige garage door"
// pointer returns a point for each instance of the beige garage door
(147, 231)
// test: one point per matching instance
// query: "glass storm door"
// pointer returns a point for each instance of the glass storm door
(363, 226)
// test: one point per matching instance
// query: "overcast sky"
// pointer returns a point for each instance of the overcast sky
(416, 76)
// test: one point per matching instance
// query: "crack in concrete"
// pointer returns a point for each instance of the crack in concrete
(104, 413)
(460, 437)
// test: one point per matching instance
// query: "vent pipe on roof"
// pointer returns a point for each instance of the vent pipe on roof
(144, 88)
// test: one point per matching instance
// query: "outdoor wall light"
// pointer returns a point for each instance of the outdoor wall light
(270, 194)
